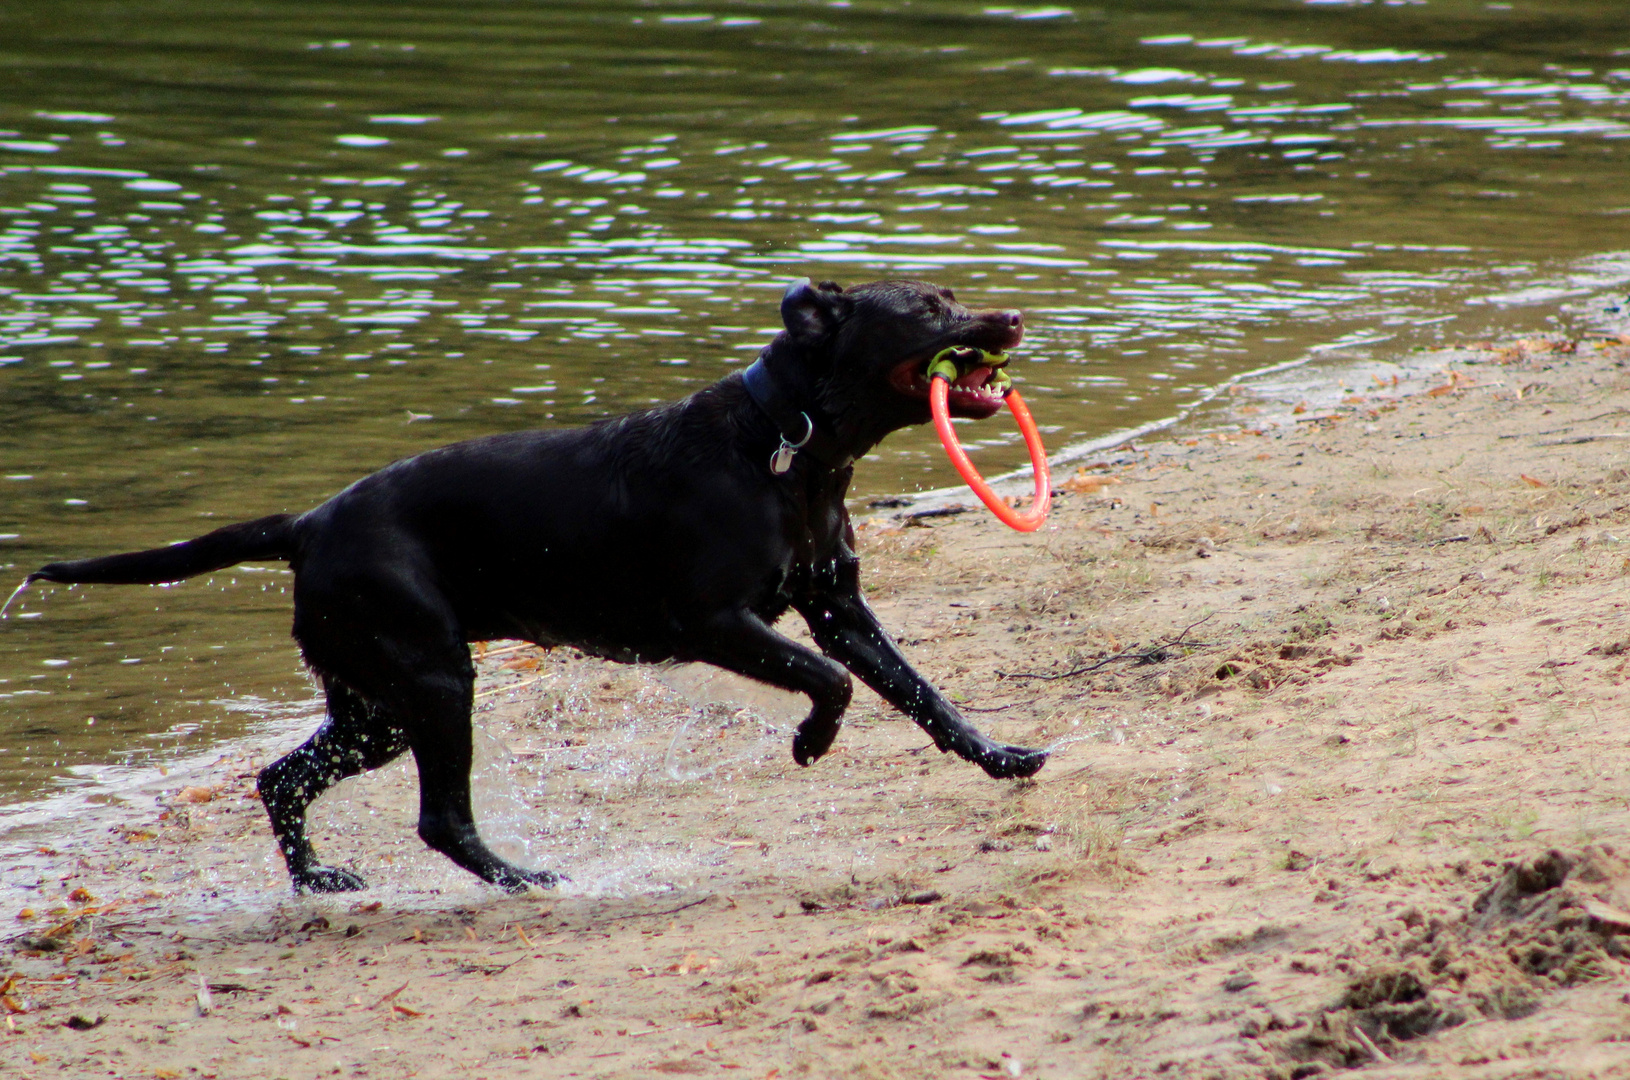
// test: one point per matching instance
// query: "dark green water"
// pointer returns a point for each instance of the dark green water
(250, 251)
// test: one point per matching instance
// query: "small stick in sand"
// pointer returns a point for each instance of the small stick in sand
(1368, 1044)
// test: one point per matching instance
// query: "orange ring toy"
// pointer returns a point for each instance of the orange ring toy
(939, 395)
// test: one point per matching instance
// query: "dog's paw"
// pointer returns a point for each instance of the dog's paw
(1011, 762)
(802, 754)
(326, 879)
(516, 880)
(813, 740)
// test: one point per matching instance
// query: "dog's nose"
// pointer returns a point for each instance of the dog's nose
(1014, 319)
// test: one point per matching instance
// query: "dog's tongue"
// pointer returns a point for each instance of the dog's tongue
(974, 379)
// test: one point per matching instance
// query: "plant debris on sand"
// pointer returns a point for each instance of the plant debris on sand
(1547, 923)
(1341, 781)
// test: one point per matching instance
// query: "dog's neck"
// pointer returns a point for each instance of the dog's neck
(804, 427)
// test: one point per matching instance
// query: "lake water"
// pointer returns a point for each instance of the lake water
(249, 253)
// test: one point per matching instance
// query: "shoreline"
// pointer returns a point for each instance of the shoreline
(73, 798)
(1311, 689)
(1216, 408)
(1306, 402)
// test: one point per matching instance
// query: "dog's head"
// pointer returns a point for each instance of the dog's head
(865, 352)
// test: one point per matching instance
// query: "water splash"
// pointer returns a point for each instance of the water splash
(191, 325)
(14, 594)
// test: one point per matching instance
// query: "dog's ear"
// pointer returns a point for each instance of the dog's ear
(811, 312)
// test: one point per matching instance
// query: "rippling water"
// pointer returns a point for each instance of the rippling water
(249, 253)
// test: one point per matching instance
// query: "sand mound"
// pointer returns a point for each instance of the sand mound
(1551, 922)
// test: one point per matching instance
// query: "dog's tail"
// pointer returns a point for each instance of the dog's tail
(265, 538)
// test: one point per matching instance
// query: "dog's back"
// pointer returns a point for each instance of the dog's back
(607, 537)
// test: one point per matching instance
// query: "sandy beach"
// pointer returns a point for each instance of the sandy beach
(1341, 781)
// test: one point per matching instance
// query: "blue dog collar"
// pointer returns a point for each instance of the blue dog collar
(799, 432)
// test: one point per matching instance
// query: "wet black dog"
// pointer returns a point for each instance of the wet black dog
(679, 533)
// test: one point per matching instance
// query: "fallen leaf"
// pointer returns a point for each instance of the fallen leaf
(197, 794)
(389, 997)
(1457, 381)
(1086, 483)
(64, 928)
(405, 1011)
(82, 896)
(26, 914)
(1532, 482)
(692, 962)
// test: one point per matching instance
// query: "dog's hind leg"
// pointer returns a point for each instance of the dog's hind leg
(845, 628)
(354, 738)
(739, 641)
(390, 634)
(439, 702)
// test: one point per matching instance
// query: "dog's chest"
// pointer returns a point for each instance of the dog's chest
(816, 534)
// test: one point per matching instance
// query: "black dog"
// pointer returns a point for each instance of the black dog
(679, 533)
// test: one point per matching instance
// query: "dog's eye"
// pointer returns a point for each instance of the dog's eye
(948, 294)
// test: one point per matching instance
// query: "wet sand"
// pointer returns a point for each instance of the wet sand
(1325, 688)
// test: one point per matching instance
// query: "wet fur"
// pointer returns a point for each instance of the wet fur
(661, 535)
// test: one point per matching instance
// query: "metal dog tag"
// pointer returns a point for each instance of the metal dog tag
(781, 460)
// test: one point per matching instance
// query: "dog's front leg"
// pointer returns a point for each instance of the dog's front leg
(739, 641)
(847, 630)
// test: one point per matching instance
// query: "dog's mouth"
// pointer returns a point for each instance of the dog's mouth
(977, 376)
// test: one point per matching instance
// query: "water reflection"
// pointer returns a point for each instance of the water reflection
(247, 256)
